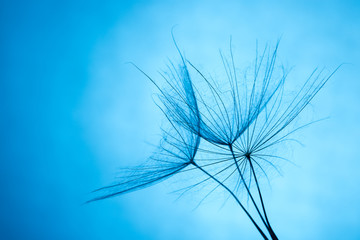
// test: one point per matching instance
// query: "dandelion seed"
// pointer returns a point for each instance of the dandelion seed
(237, 128)
(177, 148)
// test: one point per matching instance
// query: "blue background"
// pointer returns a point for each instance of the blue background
(72, 112)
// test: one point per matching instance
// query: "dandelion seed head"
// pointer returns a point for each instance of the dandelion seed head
(224, 128)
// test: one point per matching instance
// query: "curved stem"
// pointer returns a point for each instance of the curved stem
(236, 199)
(271, 231)
(247, 189)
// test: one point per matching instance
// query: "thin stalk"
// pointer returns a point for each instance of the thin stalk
(234, 196)
(247, 189)
(271, 231)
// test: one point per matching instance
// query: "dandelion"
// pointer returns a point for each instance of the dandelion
(224, 130)
(178, 146)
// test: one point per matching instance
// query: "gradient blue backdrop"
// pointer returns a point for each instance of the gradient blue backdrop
(72, 112)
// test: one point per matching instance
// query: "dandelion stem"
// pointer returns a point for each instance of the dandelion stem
(247, 189)
(236, 199)
(271, 231)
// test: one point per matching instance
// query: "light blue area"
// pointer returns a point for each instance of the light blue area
(72, 112)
